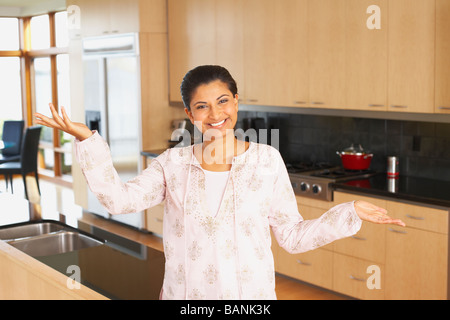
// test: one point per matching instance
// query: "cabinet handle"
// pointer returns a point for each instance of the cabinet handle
(397, 231)
(317, 102)
(359, 238)
(444, 108)
(357, 279)
(252, 100)
(375, 105)
(299, 102)
(415, 218)
(303, 263)
(398, 106)
(158, 220)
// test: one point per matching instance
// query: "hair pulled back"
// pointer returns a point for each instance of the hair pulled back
(203, 75)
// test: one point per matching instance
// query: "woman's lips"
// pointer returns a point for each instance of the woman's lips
(218, 125)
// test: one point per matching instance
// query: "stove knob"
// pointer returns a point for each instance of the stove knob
(316, 189)
(304, 186)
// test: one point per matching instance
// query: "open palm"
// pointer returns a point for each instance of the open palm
(370, 212)
(76, 129)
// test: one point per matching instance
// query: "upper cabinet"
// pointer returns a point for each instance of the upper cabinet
(411, 43)
(366, 54)
(103, 17)
(442, 104)
(276, 52)
(374, 55)
(203, 32)
(326, 40)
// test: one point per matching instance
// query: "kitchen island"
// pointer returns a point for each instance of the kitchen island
(125, 267)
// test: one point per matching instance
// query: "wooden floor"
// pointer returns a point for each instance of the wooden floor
(60, 199)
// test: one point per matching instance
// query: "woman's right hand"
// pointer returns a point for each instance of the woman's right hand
(76, 129)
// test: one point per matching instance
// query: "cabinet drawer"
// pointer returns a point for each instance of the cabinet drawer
(420, 217)
(154, 219)
(368, 243)
(350, 277)
(340, 197)
(313, 266)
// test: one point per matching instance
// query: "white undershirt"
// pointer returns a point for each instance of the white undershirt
(215, 183)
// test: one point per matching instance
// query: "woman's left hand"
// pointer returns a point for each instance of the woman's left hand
(370, 212)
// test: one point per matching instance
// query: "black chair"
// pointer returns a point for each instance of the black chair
(28, 159)
(12, 133)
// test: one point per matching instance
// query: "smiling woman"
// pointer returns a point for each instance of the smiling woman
(216, 225)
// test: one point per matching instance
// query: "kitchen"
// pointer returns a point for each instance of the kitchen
(328, 82)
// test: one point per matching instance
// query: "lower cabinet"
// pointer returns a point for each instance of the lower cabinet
(154, 219)
(315, 266)
(358, 278)
(380, 261)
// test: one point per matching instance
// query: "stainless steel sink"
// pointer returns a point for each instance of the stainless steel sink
(46, 238)
(30, 230)
(54, 243)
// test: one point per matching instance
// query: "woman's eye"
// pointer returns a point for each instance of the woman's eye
(201, 107)
(223, 101)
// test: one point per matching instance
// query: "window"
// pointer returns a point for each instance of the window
(34, 71)
(9, 34)
(50, 83)
(10, 71)
(40, 32)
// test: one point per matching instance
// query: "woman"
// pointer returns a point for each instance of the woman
(222, 198)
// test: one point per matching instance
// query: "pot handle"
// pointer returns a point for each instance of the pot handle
(370, 155)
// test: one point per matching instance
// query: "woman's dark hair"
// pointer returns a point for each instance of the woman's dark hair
(204, 75)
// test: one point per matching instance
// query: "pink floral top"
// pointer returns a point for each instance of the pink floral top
(227, 255)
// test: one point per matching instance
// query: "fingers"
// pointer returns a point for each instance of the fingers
(56, 116)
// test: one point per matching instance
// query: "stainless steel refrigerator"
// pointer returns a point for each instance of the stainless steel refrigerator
(112, 106)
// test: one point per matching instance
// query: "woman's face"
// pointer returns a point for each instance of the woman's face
(213, 106)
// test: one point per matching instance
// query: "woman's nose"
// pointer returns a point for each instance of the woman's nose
(215, 112)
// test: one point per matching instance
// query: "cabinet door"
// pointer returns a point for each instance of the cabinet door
(230, 40)
(442, 56)
(124, 16)
(326, 40)
(411, 55)
(352, 276)
(314, 267)
(416, 264)
(366, 57)
(276, 66)
(191, 39)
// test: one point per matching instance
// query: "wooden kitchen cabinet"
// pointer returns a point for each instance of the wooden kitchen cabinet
(314, 266)
(442, 104)
(416, 264)
(204, 32)
(351, 277)
(411, 45)
(326, 42)
(104, 17)
(276, 52)
(417, 255)
(368, 243)
(366, 57)
(154, 219)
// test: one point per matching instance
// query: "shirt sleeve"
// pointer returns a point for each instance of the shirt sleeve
(142, 192)
(297, 235)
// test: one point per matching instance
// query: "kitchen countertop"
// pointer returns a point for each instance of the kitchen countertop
(122, 268)
(421, 190)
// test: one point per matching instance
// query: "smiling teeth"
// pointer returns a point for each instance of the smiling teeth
(218, 123)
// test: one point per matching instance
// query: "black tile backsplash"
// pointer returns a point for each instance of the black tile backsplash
(423, 147)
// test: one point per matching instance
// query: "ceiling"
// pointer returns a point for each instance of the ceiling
(15, 8)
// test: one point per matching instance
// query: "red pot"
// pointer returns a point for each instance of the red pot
(353, 159)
